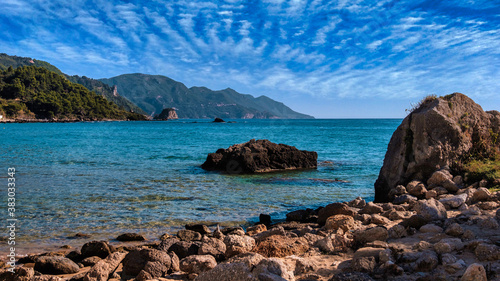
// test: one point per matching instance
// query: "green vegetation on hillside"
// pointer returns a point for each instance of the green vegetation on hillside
(35, 91)
(154, 92)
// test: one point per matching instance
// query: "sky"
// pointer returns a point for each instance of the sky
(329, 59)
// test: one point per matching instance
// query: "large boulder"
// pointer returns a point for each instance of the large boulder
(167, 114)
(55, 265)
(436, 134)
(260, 156)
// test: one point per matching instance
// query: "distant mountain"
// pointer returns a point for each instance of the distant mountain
(153, 93)
(93, 85)
(31, 92)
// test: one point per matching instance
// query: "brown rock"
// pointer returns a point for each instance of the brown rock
(55, 265)
(90, 261)
(379, 220)
(281, 246)
(475, 272)
(357, 203)
(364, 264)
(334, 209)
(343, 222)
(371, 208)
(250, 259)
(437, 133)
(228, 272)
(272, 268)
(430, 210)
(200, 228)
(238, 244)
(487, 252)
(454, 230)
(258, 156)
(183, 249)
(96, 248)
(416, 188)
(102, 269)
(136, 260)
(481, 194)
(256, 229)
(188, 235)
(371, 234)
(130, 237)
(212, 246)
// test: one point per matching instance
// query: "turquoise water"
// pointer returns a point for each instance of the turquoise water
(106, 178)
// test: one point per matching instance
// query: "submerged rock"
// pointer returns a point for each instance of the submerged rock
(260, 156)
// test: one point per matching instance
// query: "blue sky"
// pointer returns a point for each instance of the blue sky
(330, 59)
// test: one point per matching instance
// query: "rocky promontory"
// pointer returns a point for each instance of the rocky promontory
(441, 132)
(167, 114)
(259, 156)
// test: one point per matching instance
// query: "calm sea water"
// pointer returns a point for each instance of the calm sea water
(106, 178)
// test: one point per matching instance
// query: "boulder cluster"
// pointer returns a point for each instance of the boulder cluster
(434, 230)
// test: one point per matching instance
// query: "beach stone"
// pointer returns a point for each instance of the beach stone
(490, 205)
(371, 208)
(455, 267)
(227, 272)
(497, 214)
(430, 209)
(427, 262)
(351, 276)
(377, 233)
(358, 202)
(198, 263)
(183, 249)
(364, 264)
(368, 252)
(272, 267)
(212, 246)
(96, 248)
(299, 215)
(490, 223)
(55, 265)
(397, 231)
(439, 177)
(258, 156)
(440, 190)
(431, 228)
(487, 252)
(238, 244)
(422, 245)
(279, 230)
(20, 273)
(188, 235)
(281, 246)
(334, 209)
(175, 262)
(200, 228)
(256, 229)
(90, 261)
(455, 201)
(75, 256)
(379, 220)
(395, 215)
(448, 259)
(250, 259)
(431, 194)
(233, 230)
(397, 191)
(136, 260)
(475, 272)
(165, 244)
(454, 230)
(415, 221)
(405, 198)
(143, 276)
(103, 268)
(416, 188)
(130, 237)
(343, 222)
(480, 194)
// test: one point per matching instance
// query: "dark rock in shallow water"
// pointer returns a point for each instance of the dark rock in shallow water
(96, 248)
(219, 120)
(438, 133)
(130, 237)
(260, 156)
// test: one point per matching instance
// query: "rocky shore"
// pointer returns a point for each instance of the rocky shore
(435, 219)
(428, 232)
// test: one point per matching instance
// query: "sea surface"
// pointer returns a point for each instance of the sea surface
(107, 178)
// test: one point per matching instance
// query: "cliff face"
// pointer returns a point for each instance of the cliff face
(167, 114)
(441, 132)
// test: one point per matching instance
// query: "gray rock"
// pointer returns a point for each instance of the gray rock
(364, 264)
(490, 223)
(198, 263)
(55, 265)
(427, 262)
(431, 209)
(439, 177)
(453, 202)
(405, 198)
(250, 259)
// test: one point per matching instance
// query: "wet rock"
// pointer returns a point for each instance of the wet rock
(188, 235)
(198, 263)
(55, 265)
(256, 229)
(212, 246)
(371, 234)
(454, 230)
(130, 237)
(228, 272)
(334, 209)
(453, 202)
(475, 272)
(257, 156)
(371, 208)
(238, 244)
(299, 215)
(96, 248)
(265, 219)
(272, 267)
(430, 210)
(416, 188)
(136, 260)
(103, 268)
(343, 222)
(200, 228)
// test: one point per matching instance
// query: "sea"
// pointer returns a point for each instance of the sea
(107, 178)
